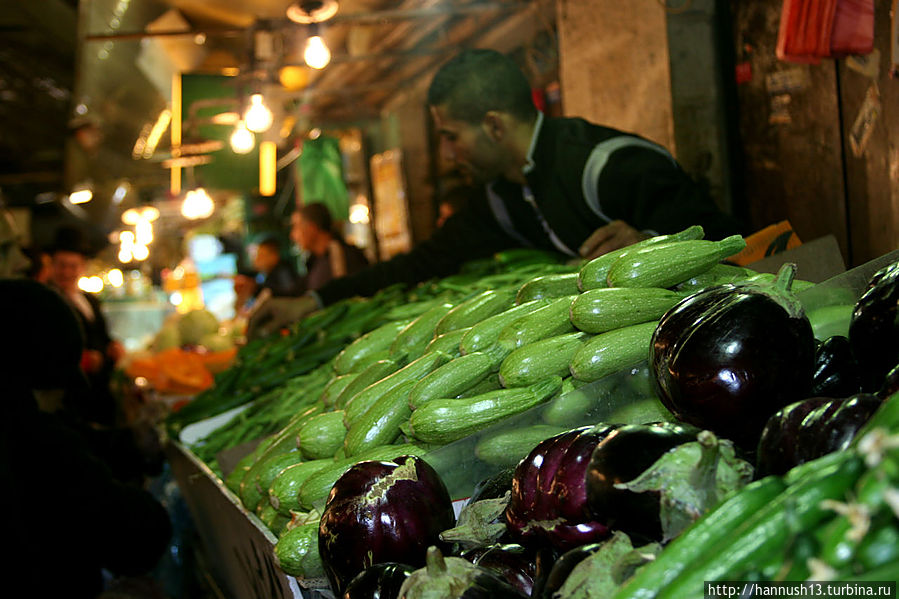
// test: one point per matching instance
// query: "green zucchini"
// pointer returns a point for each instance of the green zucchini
(442, 421)
(568, 409)
(296, 552)
(667, 264)
(718, 274)
(374, 341)
(380, 424)
(607, 308)
(476, 309)
(334, 388)
(314, 490)
(548, 287)
(486, 333)
(412, 340)
(547, 321)
(488, 383)
(284, 491)
(322, 435)
(413, 371)
(452, 378)
(373, 373)
(540, 359)
(507, 448)
(263, 472)
(233, 478)
(612, 351)
(448, 342)
(594, 273)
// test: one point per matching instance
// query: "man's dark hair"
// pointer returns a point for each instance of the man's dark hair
(270, 241)
(477, 81)
(318, 214)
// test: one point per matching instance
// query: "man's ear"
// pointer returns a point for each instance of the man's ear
(495, 125)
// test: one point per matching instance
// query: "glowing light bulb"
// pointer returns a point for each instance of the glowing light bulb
(242, 140)
(316, 53)
(197, 204)
(258, 117)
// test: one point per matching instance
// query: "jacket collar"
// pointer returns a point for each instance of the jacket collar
(529, 164)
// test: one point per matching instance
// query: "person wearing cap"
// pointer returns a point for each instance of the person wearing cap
(68, 257)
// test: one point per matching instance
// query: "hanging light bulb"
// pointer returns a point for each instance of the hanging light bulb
(316, 53)
(242, 140)
(197, 204)
(258, 117)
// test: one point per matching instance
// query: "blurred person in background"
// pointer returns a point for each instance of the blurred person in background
(279, 275)
(329, 256)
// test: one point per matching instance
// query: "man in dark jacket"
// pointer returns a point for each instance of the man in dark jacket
(560, 184)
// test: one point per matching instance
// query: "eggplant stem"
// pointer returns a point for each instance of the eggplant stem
(434, 561)
(784, 279)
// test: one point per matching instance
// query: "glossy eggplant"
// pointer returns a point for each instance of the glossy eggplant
(561, 568)
(811, 428)
(379, 512)
(836, 371)
(728, 357)
(874, 327)
(455, 578)
(379, 581)
(619, 458)
(548, 502)
(514, 563)
(890, 383)
(494, 486)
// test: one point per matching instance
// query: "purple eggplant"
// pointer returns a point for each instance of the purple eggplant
(836, 371)
(455, 578)
(874, 327)
(727, 358)
(811, 428)
(514, 563)
(382, 512)
(380, 581)
(561, 568)
(890, 383)
(619, 458)
(548, 501)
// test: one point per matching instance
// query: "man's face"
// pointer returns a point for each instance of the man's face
(265, 259)
(13, 263)
(302, 232)
(66, 269)
(468, 147)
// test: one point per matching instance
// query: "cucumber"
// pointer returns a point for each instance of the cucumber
(667, 264)
(335, 387)
(359, 403)
(485, 334)
(322, 435)
(374, 341)
(296, 552)
(594, 273)
(548, 321)
(442, 421)
(476, 309)
(452, 378)
(411, 341)
(372, 374)
(314, 490)
(613, 351)
(507, 448)
(548, 287)
(380, 424)
(607, 308)
(536, 361)
(284, 490)
(448, 342)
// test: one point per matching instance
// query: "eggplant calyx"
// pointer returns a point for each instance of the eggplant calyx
(479, 523)
(781, 290)
(703, 475)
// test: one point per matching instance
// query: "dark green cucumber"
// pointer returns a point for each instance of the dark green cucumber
(335, 387)
(372, 374)
(607, 308)
(448, 342)
(476, 309)
(486, 333)
(375, 341)
(413, 371)
(594, 273)
(296, 552)
(507, 448)
(548, 287)
(322, 435)
(285, 488)
(442, 421)
(667, 264)
(314, 490)
(712, 528)
(452, 378)
(536, 361)
(412, 340)
(548, 321)
(612, 351)
(380, 424)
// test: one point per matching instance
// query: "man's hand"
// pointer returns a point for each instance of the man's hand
(617, 234)
(276, 313)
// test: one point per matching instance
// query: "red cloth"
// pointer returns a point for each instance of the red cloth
(814, 29)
